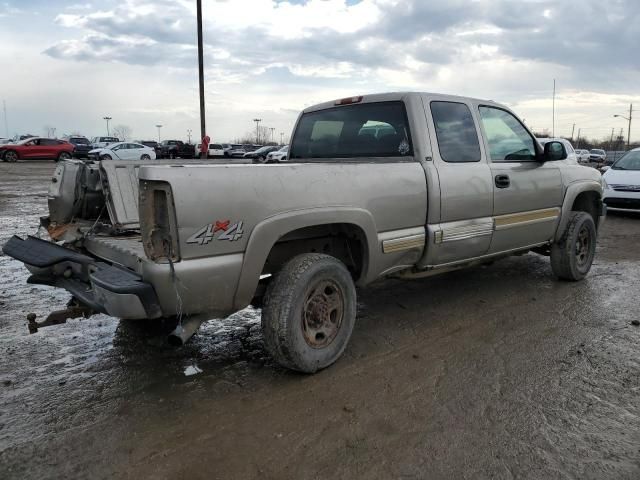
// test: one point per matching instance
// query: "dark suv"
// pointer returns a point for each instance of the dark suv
(82, 146)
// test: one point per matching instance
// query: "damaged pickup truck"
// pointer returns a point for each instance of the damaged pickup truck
(398, 184)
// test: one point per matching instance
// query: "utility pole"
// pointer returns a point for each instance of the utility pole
(553, 125)
(572, 130)
(158, 127)
(189, 131)
(578, 139)
(611, 140)
(628, 119)
(6, 124)
(107, 119)
(257, 120)
(272, 130)
(281, 138)
(629, 132)
(203, 129)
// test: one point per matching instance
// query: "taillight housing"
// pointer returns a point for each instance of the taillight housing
(158, 224)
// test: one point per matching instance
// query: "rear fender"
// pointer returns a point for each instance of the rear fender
(265, 235)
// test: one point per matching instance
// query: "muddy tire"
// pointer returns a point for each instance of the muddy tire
(572, 255)
(309, 312)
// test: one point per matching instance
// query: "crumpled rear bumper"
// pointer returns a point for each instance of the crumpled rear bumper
(105, 288)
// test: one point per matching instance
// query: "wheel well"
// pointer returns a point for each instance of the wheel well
(588, 202)
(346, 242)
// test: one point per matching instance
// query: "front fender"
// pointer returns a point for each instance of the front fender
(265, 235)
(573, 190)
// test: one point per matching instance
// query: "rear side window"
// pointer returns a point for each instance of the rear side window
(363, 130)
(456, 132)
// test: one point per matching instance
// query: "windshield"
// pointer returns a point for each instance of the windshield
(362, 130)
(630, 161)
(597, 152)
(79, 141)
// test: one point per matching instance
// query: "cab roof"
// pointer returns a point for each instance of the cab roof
(397, 96)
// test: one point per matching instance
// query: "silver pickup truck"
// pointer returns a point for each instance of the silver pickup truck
(395, 184)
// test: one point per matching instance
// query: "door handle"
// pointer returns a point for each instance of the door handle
(502, 181)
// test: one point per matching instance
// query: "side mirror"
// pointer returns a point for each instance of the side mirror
(554, 151)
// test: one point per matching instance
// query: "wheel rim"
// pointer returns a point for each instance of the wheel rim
(583, 246)
(145, 157)
(64, 156)
(11, 156)
(322, 314)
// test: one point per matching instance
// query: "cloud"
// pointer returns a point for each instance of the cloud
(283, 55)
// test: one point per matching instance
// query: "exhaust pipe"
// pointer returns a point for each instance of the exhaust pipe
(185, 330)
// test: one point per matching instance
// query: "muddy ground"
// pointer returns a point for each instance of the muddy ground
(493, 372)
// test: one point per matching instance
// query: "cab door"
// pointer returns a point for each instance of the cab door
(527, 193)
(466, 189)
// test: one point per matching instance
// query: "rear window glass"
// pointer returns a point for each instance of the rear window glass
(363, 130)
(456, 132)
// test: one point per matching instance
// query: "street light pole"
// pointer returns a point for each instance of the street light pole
(272, 129)
(189, 131)
(107, 119)
(203, 129)
(257, 120)
(158, 127)
(281, 138)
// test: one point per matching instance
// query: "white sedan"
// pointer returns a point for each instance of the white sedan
(278, 155)
(621, 183)
(123, 151)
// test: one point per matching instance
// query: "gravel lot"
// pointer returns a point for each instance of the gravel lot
(492, 372)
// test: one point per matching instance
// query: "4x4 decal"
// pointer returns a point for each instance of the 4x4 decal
(204, 235)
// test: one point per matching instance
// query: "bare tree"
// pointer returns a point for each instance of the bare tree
(123, 132)
(49, 131)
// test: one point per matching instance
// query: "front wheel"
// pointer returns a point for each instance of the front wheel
(145, 157)
(572, 255)
(309, 312)
(10, 156)
(64, 156)
(105, 157)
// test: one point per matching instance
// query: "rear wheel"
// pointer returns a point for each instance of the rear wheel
(64, 156)
(572, 256)
(309, 312)
(10, 156)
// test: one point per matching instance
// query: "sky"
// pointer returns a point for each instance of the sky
(68, 64)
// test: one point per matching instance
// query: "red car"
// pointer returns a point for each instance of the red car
(37, 147)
